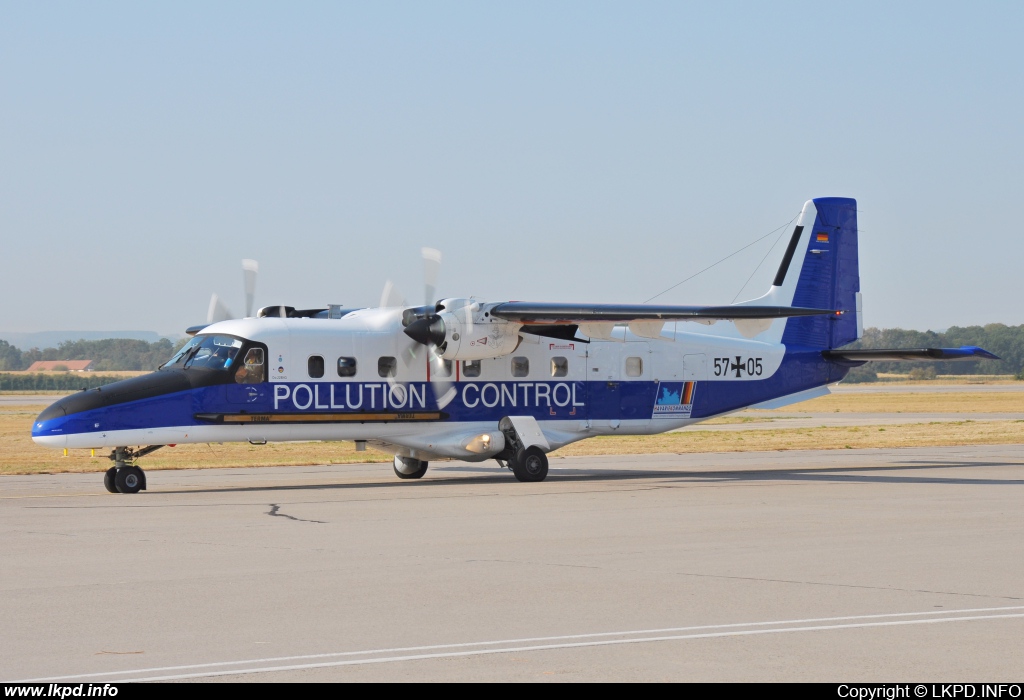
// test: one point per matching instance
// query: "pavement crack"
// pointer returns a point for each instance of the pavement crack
(275, 511)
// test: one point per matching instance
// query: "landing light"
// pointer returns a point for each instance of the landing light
(483, 444)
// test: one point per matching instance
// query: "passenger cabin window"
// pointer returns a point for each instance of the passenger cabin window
(346, 366)
(251, 371)
(315, 366)
(520, 366)
(441, 368)
(559, 367)
(471, 368)
(387, 367)
(634, 366)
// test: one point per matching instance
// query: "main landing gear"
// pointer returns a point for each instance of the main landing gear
(409, 467)
(527, 462)
(125, 476)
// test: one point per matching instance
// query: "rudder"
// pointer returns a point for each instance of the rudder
(828, 278)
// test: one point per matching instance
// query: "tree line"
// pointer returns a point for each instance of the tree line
(111, 354)
(1007, 342)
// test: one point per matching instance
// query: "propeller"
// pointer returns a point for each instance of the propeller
(249, 270)
(219, 311)
(414, 318)
(431, 270)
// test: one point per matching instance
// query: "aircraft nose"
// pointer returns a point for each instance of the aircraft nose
(48, 428)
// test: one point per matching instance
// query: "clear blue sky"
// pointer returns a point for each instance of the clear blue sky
(553, 151)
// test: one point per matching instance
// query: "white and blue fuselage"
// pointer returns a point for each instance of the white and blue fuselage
(574, 389)
(359, 377)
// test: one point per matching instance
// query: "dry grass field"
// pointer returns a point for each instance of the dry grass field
(952, 402)
(19, 455)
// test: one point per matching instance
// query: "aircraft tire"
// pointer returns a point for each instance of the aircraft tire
(409, 468)
(530, 464)
(108, 480)
(128, 480)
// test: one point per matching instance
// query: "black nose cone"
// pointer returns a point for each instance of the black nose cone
(427, 331)
(144, 387)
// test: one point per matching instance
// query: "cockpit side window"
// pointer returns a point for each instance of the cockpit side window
(252, 369)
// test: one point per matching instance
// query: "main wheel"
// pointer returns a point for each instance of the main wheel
(128, 480)
(108, 480)
(530, 464)
(409, 468)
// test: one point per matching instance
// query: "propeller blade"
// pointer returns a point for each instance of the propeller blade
(391, 297)
(218, 311)
(431, 269)
(249, 270)
(441, 379)
(468, 311)
(410, 353)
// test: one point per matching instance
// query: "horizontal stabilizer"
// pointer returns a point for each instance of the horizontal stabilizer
(966, 352)
(530, 313)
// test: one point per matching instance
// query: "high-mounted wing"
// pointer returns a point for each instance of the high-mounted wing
(645, 320)
(965, 352)
(531, 312)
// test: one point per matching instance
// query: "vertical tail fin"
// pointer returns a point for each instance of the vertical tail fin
(820, 270)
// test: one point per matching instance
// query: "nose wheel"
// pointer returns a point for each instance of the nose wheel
(129, 480)
(108, 480)
(125, 476)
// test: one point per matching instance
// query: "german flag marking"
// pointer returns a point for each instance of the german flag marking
(687, 393)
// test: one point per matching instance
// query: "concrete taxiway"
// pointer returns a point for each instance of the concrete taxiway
(835, 565)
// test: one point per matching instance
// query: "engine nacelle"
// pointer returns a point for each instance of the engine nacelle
(471, 333)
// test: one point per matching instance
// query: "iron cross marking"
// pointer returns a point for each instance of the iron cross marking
(738, 365)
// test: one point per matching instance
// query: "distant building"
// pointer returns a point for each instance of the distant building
(58, 365)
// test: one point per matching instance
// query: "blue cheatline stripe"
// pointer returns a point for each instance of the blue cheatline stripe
(474, 401)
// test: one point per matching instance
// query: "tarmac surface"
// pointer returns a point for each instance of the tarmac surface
(840, 565)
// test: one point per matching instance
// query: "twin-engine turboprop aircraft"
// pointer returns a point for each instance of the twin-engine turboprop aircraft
(474, 380)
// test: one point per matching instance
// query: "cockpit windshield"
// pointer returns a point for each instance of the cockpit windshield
(215, 352)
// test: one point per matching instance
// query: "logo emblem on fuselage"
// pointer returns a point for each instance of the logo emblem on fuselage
(674, 400)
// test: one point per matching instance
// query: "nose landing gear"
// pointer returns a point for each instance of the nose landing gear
(125, 476)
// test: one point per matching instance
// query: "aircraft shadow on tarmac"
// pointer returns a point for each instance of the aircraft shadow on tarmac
(880, 475)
